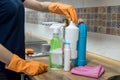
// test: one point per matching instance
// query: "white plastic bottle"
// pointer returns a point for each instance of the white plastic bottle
(66, 56)
(71, 36)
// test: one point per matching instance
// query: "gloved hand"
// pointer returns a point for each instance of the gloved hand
(28, 67)
(68, 10)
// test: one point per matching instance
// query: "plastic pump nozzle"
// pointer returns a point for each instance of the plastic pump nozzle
(56, 26)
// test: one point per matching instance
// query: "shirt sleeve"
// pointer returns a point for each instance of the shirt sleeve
(23, 0)
(3, 12)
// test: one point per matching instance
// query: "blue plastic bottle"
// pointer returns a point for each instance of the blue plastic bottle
(81, 46)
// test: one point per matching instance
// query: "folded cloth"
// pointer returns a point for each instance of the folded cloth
(90, 71)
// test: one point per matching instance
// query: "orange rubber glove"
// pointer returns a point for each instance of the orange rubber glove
(60, 8)
(29, 51)
(28, 67)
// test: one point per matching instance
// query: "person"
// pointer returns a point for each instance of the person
(12, 46)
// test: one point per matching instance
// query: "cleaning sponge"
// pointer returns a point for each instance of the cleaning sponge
(29, 51)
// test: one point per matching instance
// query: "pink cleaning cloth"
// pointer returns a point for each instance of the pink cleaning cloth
(90, 71)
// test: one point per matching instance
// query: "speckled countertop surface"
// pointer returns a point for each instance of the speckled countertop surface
(111, 69)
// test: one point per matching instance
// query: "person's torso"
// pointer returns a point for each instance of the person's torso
(12, 26)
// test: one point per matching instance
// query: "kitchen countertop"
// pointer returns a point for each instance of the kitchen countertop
(111, 69)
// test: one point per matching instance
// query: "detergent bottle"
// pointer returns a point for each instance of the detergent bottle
(81, 45)
(55, 55)
(71, 36)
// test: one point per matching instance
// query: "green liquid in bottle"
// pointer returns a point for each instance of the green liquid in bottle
(55, 57)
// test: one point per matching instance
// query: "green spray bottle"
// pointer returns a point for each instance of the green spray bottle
(56, 56)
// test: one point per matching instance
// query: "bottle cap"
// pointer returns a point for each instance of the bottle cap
(80, 21)
(67, 43)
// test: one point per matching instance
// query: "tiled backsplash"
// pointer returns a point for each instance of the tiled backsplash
(104, 19)
(37, 17)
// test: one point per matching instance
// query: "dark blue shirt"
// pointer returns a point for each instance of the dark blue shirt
(12, 27)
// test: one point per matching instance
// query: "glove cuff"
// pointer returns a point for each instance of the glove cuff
(14, 63)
